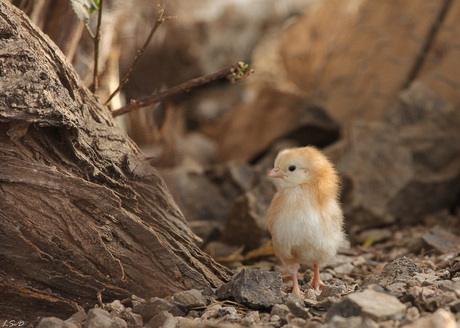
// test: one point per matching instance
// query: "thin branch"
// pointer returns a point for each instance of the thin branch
(140, 52)
(234, 73)
(88, 29)
(97, 40)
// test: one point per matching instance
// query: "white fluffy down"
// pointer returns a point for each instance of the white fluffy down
(300, 231)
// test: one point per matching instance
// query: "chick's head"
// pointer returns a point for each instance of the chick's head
(297, 166)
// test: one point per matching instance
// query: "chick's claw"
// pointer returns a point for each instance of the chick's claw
(317, 285)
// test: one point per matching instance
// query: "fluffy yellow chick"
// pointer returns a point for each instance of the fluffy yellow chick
(305, 218)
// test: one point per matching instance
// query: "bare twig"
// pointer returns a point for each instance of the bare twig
(88, 29)
(234, 73)
(140, 52)
(97, 39)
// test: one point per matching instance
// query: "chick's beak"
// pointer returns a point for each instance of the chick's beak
(275, 173)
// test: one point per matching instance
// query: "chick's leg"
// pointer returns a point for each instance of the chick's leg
(295, 283)
(316, 283)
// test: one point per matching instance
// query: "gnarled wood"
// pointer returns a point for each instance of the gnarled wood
(81, 209)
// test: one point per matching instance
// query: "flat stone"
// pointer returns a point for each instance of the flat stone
(376, 305)
(439, 319)
(257, 289)
(441, 239)
(190, 298)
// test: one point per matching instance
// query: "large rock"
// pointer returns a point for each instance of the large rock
(356, 57)
(258, 289)
(253, 127)
(405, 166)
(439, 69)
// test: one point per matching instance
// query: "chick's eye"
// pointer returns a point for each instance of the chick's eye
(292, 168)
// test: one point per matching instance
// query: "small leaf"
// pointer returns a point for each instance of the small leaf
(369, 242)
(94, 6)
(83, 8)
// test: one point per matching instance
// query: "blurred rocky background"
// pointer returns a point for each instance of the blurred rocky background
(376, 84)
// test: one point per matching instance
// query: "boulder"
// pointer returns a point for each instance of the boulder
(405, 166)
(251, 128)
(356, 57)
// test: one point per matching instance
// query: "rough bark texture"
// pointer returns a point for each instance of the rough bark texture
(81, 209)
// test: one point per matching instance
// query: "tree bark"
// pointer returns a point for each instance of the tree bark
(81, 209)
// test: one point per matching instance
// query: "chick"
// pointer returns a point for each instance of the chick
(305, 218)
